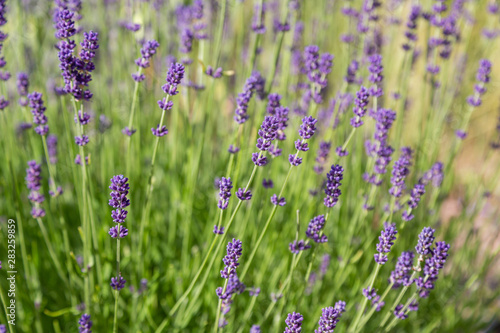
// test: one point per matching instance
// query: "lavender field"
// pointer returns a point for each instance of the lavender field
(249, 166)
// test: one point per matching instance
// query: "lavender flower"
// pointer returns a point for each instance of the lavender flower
(316, 68)
(175, 74)
(22, 84)
(332, 187)
(425, 240)
(233, 254)
(255, 329)
(360, 107)
(399, 313)
(258, 19)
(371, 294)
(294, 323)
(297, 246)
(416, 194)
(352, 69)
(375, 68)
(217, 73)
(322, 156)
(306, 131)
(233, 149)
(243, 195)
(218, 231)
(267, 183)
(52, 148)
(225, 186)
(253, 84)
(38, 111)
(315, 229)
(33, 182)
(403, 270)
(268, 132)
(85, 324)
(148, 50)
(400, 171)
(278, 201)
(117, 283)
(411, 26)
(386, 241)
(330, 317)
(483, 77)
(119, 190)
(130, 26)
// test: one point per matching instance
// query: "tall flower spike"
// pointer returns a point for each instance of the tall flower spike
(233, 254)
(360, 107)
(22, 84)
(332, 187)
(403, 270)
(400, 171)
(482, 77)
(119, 190)
(33, 182)
(38, 111)
(375, 68)
(253, 84)
(148, 50)
(315, 229)
(85, 324)
(416, 194)
(330, 317)
(386, 241)
(268, 132)
(294, 323)
(425, 240)
(225, 186)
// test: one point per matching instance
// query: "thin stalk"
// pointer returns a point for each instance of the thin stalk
(365, 301)
(117, 292)
(51, 250)
(216, 324)
(374, 308)
(11, 329)
(131, 121)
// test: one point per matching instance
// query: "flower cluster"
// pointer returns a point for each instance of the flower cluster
(148, 50)
(38, 111)
(297, 246)
(175, 74)
(371, 295)
(4, 75)
(225, 186)
(191, 26)
(482, 77)
(376, 77)
(234, 285)
(294, 323)
(316, 68)
(22, 84)
(33, 182)
(401, 274)
(400, 171)
(85, 324)
(433, 265)
(255, 83)
(258, 19)
(268, 132)
(330, 317)
(322, 156)
(332, 187)
(119, 190)
(386, 241)
(215, 73)
(118, 283)
(411, 27)
(360, 107)
(315, 229)
(416, 194)
(306, 131)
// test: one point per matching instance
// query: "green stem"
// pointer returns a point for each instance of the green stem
(365, 301)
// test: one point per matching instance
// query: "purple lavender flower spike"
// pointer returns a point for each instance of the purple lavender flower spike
(275, 201)
(85, 324)
(330, 317)
(315, 229)
(352, 69)
(258, 19)
(225, 186)
(242, 195)
(416, 194)
(148, 50)
(411, 26)
(399, 313)
(360, 107)
(322, 156)
(252, 85)
(38, 111)
(217, 73)
(400, 171)
(233, 254)
(33, 182)
(294, 323)
(118, 283)
(159, 132)
(386, 241)
(119, 190)
(52, 148)
(307, 128)
(425, 240)
(255, 329)
(403, 270)
(341, 152)
(297, 246)
(175, 74)
(483, 77)
(267, 183)
(22, 84)
(375, 68)
(332, 187)
(218, 231)
(129, 132)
